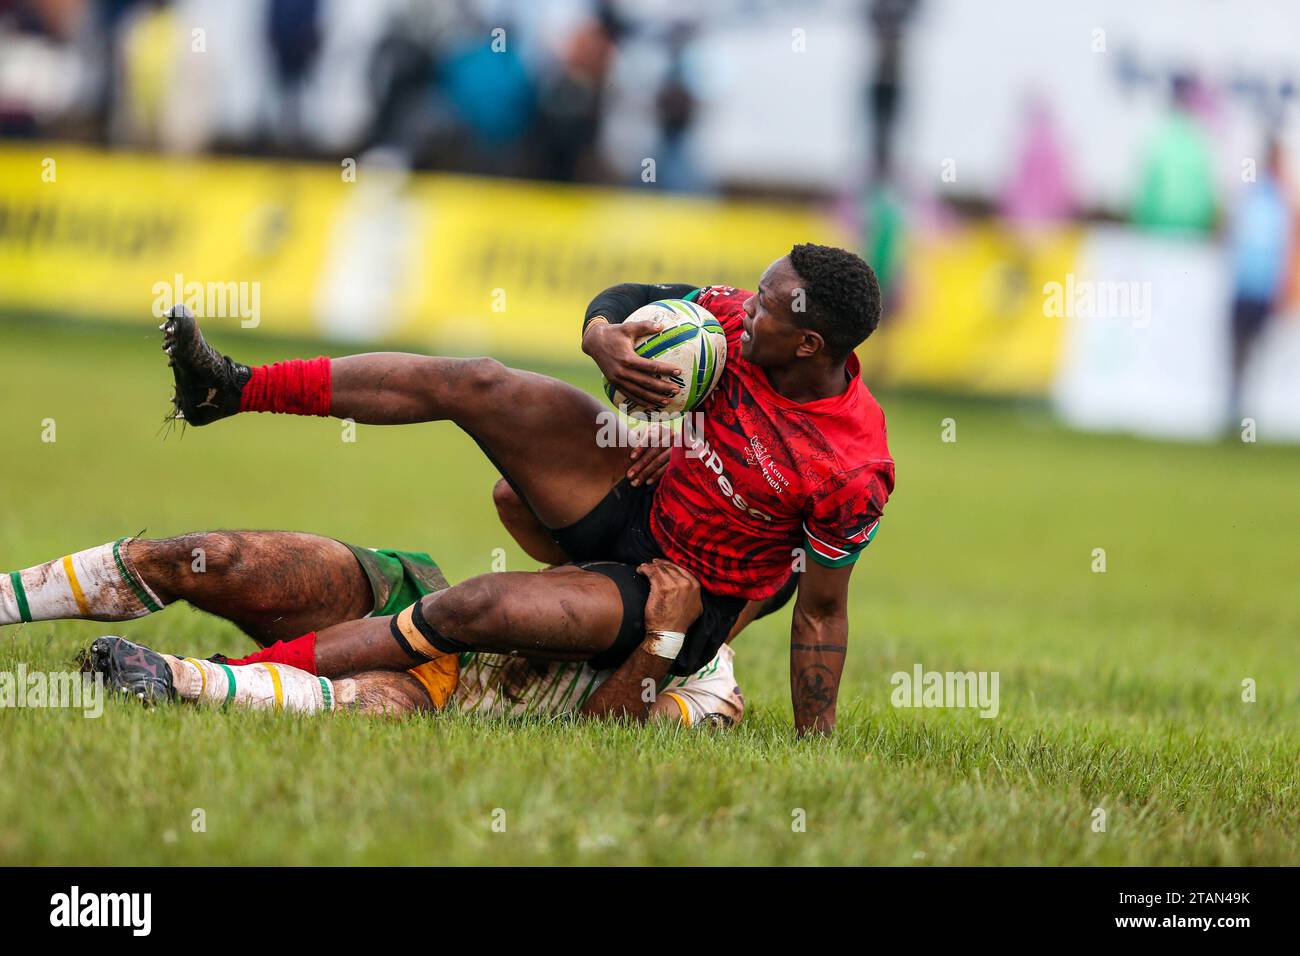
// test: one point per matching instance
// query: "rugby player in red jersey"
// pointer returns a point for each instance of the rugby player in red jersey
(792, 464)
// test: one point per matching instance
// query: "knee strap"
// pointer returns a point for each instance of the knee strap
(420, 639)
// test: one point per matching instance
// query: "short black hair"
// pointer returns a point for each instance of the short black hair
(842, 293)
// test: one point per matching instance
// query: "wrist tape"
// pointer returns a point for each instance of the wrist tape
(667, 644)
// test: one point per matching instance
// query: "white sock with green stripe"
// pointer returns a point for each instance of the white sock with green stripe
(97, 584)
(251, 686)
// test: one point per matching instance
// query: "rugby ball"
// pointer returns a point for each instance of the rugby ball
(693, 341)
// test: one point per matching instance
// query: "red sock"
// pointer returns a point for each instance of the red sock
(299, 653)
(297, 387)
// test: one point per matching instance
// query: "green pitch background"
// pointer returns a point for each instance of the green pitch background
(1119, 690)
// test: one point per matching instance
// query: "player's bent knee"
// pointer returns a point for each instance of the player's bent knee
(458, 618)
(484, 376)
(170, 564)
(524, 526)
(213, 552)
(467, 390)
(508, 503)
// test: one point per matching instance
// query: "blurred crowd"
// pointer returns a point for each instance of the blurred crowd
(1179, 194)
(509, 88)
(581, 90)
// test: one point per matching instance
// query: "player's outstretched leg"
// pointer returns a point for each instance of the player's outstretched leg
(138, 671)
(272, 584)
(564, 613)
(539, 431)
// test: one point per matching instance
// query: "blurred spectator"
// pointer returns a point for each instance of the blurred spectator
(1259, 249)
(885, 228)
(44, 77)
(400, 72)
(888, 24)
(1039, 190)
(493, 96)
(146, 56)
(675, 109)
(1177, 186)
(56, 19)
(293, 34)
(571, 100)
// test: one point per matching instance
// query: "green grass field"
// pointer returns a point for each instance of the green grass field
(1120, 690)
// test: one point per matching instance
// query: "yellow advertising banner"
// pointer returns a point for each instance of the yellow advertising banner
(974, 314)
(454, 263)
(107, 235)
(468, 265)
(511, 267)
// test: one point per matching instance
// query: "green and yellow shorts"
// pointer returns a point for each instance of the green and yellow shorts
(398, 579)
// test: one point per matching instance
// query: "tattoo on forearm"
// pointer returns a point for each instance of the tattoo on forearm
(816, 689)
(829, 648)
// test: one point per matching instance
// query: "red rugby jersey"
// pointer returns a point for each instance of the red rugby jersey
(770, 475)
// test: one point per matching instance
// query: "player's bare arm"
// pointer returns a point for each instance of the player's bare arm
(673, 606)
(819, 640)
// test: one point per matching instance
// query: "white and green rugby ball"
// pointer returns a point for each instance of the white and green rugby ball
(692, 340)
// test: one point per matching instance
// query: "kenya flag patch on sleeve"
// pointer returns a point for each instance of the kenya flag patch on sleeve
(837, 555)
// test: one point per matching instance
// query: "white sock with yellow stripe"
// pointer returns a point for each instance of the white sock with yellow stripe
(98, 584)
(252, 686)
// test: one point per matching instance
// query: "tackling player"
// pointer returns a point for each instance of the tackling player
(793, 463)
(276, 584)
(486, 685)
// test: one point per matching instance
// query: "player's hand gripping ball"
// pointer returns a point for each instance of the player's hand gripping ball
(692, 340)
